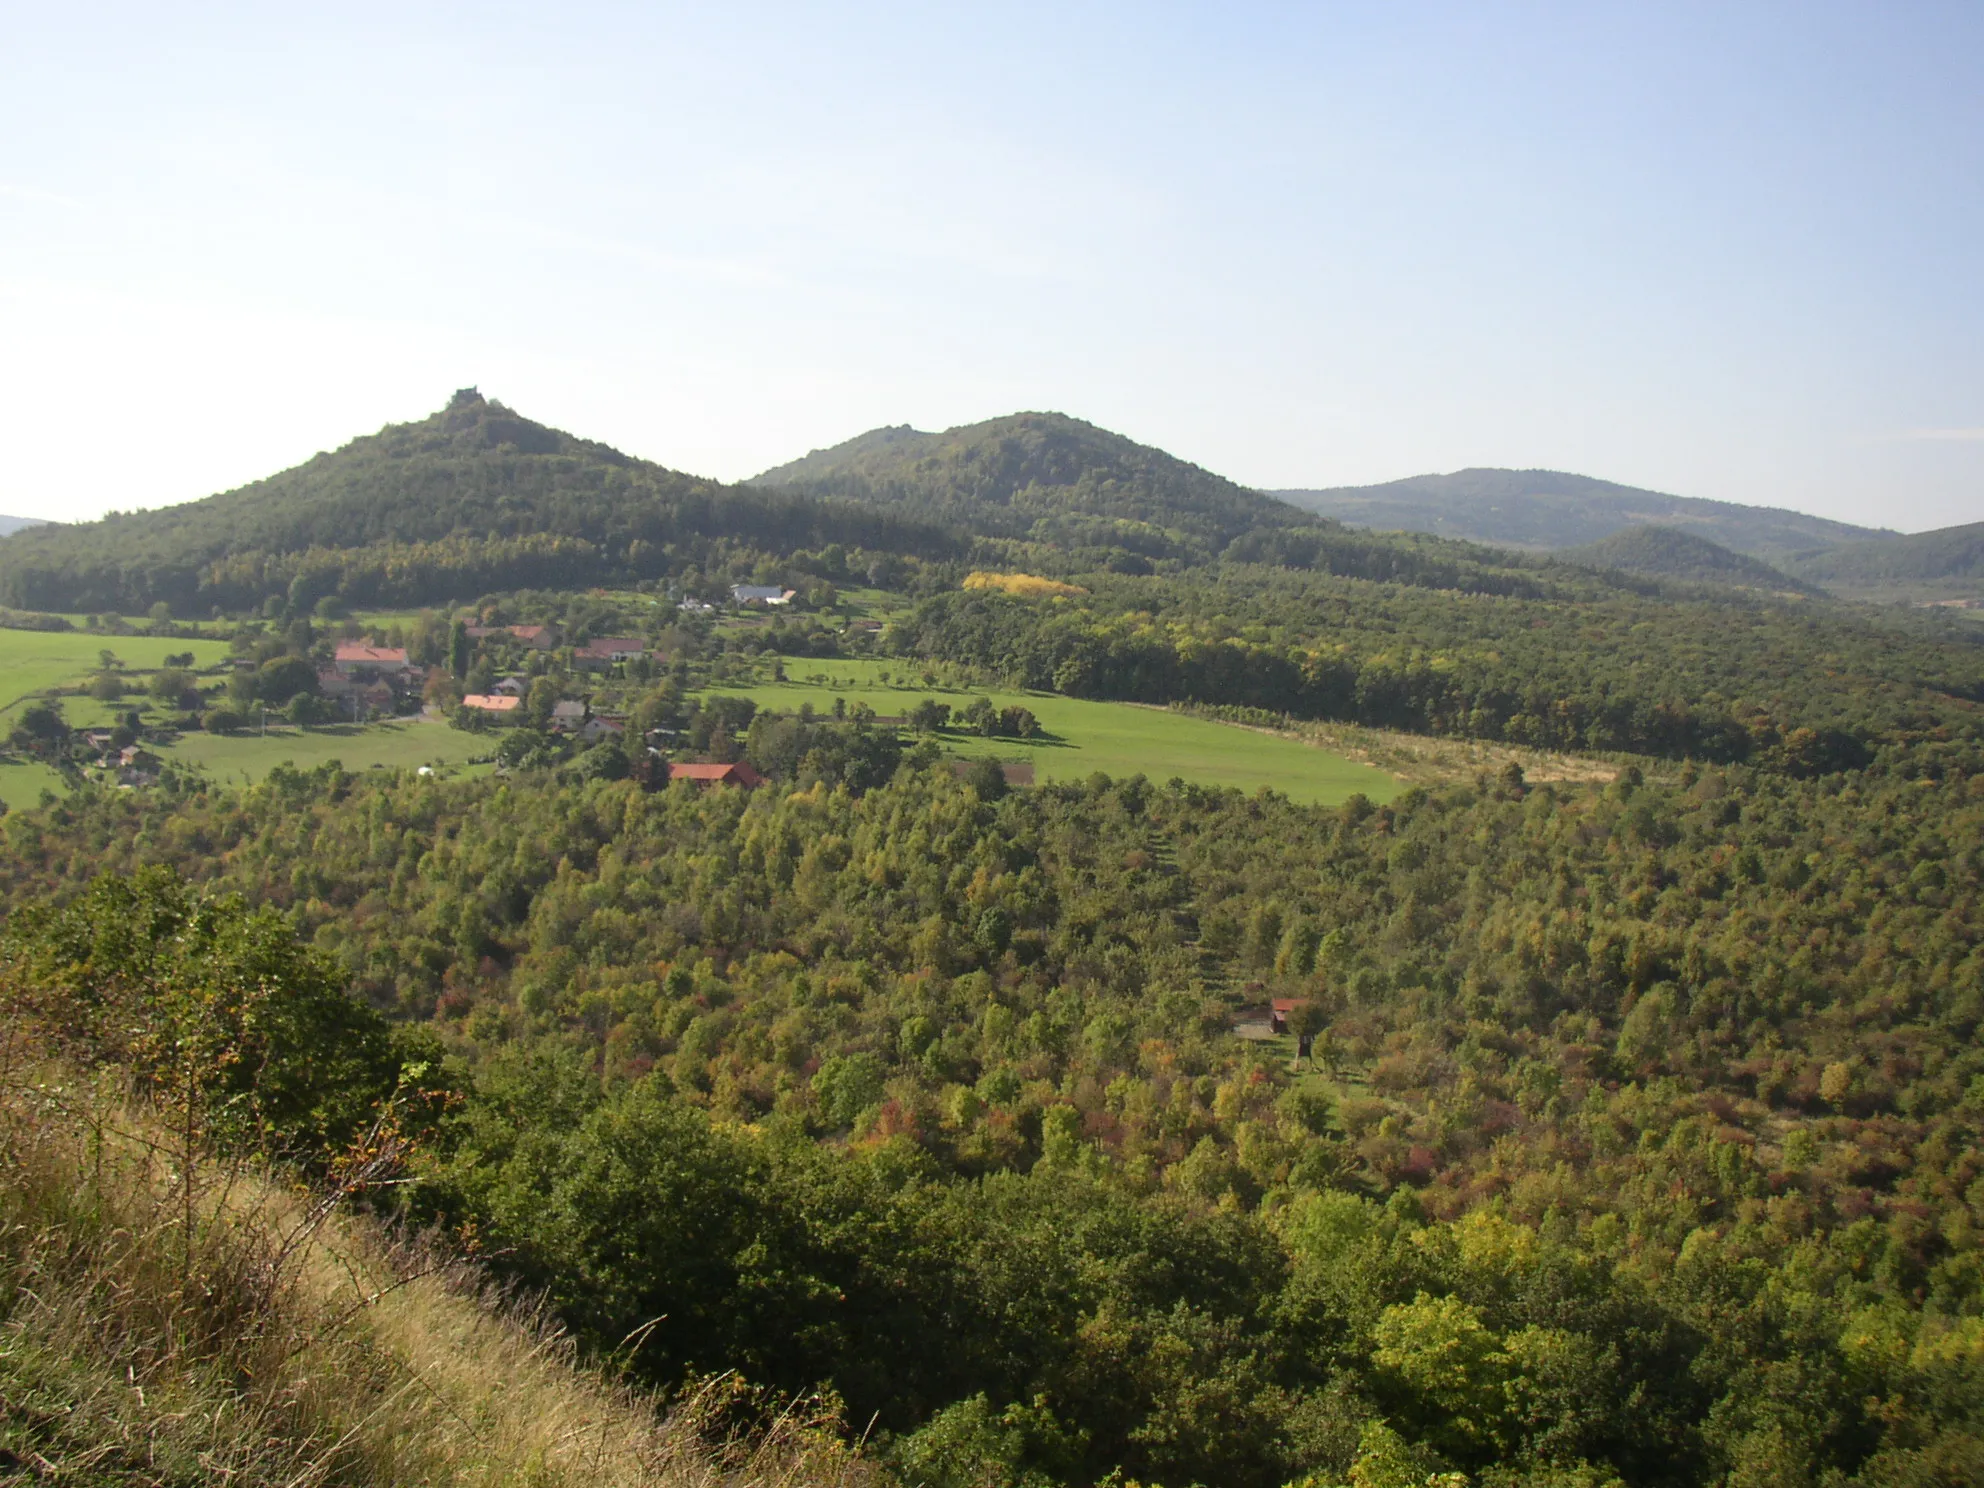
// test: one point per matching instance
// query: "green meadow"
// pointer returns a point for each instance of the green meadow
(1079, 738)
(405, 744)
(22, 785)
(1084, 737)
(33, 661)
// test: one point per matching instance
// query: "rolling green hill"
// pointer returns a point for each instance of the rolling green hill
(1549, 509)
(1664, 553)
(1946, 563)
(472, 499)
(1042, 476)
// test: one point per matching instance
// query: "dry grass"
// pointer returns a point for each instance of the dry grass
(1423, 760)
(280, 1342)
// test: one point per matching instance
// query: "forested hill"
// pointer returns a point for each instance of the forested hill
(1664, 553)
(1046, 477)
(15, 524)
(1948, 561)
(473, 499)
(1549, 509)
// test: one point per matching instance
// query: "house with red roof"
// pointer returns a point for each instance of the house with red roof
(353, 659)
(607, 650)
(737, 774)
(1279, 1010)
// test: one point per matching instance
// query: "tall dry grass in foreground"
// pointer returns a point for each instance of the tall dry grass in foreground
(160, 1324)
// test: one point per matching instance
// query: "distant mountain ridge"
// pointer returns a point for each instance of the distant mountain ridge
(1042, 476)
(1667, 553)
(1946, 562)
(16, 524)
(1548, 509)
(477, 498)
(473, 498)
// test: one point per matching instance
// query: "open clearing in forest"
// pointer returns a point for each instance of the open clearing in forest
(33, 661)
(21, 785)
(1084, 737)
(403, 744)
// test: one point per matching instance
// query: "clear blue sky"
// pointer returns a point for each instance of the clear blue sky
(1726, 250)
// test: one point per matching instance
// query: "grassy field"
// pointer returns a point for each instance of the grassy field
(21, 785)
(32, 661)
(1425, 760)
(235, 759)
(1080, 737)
(1084, 737)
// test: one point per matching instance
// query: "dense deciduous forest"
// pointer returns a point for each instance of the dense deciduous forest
(1044, 477)
(1627, 1133)
(1951, 554)
(1642, 1137)
(1714, 677)
(1668, 552)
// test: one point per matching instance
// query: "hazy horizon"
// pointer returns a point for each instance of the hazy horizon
(1276, 491)
(1709, 251)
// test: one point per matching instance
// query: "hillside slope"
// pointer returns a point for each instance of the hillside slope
(474, 498)
(1665, 553)
(1550, 509)
(15, 524)
(311, 1349)
(1946, 563)
(1043, 476)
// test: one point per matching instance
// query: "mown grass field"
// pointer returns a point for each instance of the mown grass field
(1084, 737)
(32, 661)
(21, 785)
(244, 758)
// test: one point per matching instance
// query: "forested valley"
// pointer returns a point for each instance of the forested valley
(1632, 1135)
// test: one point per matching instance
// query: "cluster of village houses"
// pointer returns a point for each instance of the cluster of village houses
(134, 764)
(384, 680)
